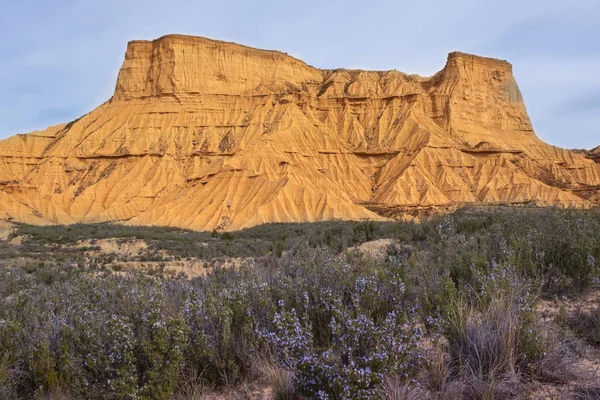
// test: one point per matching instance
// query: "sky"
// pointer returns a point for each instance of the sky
(59, 59)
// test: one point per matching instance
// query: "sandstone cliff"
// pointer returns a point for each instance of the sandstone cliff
(595, 154)
(204, 134)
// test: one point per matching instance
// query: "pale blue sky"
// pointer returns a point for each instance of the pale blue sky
(60, 58)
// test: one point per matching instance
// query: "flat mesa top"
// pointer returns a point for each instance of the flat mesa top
(201, 40)
(204, 41)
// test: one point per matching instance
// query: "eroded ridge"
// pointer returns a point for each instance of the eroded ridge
(204, 134)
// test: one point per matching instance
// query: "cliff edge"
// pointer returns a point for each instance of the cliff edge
(204, 134)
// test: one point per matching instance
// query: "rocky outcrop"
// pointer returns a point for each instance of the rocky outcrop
(204, 134)
(5, 230)
(593, 154)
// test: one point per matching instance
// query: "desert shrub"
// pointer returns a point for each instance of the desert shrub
(394, 389)
(8, 378)
(555, 249)
(562, 253)
(494, 337)
(586, 324)
(222, 313)
(340, 337)
(559, 248)
(112, 336)
(279, 379)
(104, 337)
(332, 323)
(471, 224)
(251, 242)
(365, 232)
(361, 353)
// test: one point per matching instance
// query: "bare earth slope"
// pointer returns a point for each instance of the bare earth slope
(204, 134)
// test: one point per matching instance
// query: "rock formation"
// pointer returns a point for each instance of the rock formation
(595, 154)
(203, 134)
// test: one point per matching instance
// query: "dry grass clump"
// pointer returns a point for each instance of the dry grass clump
(483, 350)
(5, 375)
(313, 321)
(275, 377)
(586, 324)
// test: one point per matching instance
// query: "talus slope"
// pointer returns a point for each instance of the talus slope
(203, 134)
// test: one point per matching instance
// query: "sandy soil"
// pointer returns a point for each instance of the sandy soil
(122, 247)
(375, 248)
(587, 368)
(6, 228)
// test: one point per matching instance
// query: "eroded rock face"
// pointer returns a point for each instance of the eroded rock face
(595, 154)
(203, 134)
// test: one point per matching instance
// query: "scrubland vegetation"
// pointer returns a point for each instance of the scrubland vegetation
(449, 311)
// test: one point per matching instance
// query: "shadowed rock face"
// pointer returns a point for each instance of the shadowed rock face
(593, 154)
(204, 134)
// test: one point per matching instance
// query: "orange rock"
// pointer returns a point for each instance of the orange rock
(204, 134)
(595, 154)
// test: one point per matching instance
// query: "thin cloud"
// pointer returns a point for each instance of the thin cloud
(61, 58)
(586, 103)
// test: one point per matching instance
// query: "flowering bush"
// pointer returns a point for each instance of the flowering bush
(101, 337)
(371, 333)
(344, 325)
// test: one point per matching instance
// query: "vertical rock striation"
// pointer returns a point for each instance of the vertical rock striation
(204, 134)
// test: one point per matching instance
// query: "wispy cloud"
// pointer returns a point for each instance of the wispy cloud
(585, 103)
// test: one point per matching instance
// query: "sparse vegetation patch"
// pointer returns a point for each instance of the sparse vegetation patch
(448, 310)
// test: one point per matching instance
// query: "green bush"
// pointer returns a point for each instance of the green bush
(337, 323)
